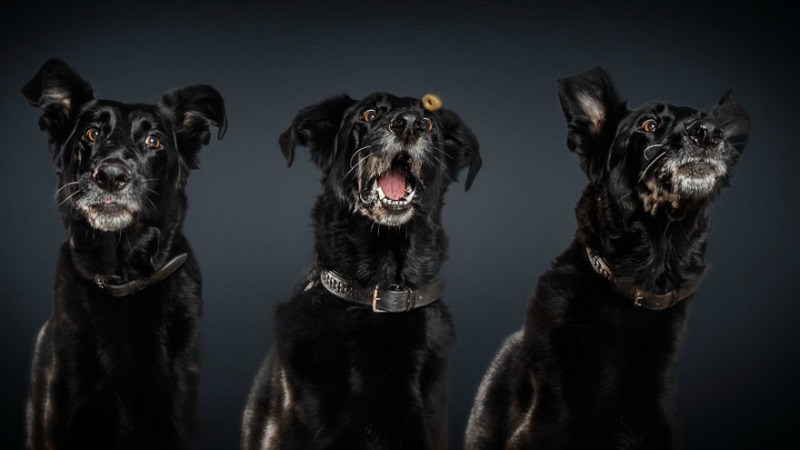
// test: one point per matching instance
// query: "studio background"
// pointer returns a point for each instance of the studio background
(494, 64)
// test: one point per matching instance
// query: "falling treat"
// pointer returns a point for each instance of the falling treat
(431, 102)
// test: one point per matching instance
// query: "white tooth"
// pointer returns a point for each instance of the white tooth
(410, 195)
(381, 195)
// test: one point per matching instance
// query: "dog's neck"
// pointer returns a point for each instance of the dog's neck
(660, 253)
(135, 252)
(370, 254)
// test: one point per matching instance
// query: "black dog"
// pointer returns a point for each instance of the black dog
(594, 365)
(116, 365)
(362, 346)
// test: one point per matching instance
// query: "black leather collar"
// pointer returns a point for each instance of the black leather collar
(131, 287)
(394, 299)
(640, 297)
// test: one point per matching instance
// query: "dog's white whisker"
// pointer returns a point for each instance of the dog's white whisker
(441, 151)
(644, 152)
(360, 161)
(357, 152)
(437, 159)
(69, 197)
(66, 185)
(644, 172)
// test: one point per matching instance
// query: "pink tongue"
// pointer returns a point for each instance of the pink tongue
(393, 184)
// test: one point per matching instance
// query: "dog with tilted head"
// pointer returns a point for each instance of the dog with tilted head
(116, 364)
(361, 352)
(594, 365)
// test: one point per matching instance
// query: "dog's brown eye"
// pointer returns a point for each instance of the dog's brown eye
(153, 142)
(649, 125)
(369, 115)
(91, 134)
(428, 124)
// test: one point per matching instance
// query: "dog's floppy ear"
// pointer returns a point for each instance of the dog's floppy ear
(60, 92)
(195, 108)
(592, 108)
(461, 146)
(316, 127)
(733, 120)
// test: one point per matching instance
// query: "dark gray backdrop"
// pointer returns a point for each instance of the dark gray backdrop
(496, 65)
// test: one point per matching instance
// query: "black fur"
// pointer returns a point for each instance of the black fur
(342, 376)
(119, 372)
(589, 369)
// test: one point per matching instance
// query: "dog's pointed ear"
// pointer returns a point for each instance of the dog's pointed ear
(316, 127)
(195, 109)
(592, 108)
(461, 146)
(60, 93)
(733, 120)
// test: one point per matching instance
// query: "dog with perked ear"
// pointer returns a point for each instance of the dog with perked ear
(361, 353)
(116, 365)
(594, 365)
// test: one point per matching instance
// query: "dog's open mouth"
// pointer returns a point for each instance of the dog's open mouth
(387, 196)
(396, 187)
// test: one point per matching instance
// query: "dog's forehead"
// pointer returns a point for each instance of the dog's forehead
(661, 109)
(386, 101)
(116, 112)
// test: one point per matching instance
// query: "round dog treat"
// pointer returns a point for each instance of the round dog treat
(431, 102)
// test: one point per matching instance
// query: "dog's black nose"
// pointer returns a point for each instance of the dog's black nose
(407, 123)
(111, 175)
(703, 134)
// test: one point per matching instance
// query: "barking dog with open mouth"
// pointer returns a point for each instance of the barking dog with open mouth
(116, 365)
(362, 346)
(594, 365)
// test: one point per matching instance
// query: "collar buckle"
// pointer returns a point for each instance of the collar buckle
(382, 298)
(394, 290)
(638, 296)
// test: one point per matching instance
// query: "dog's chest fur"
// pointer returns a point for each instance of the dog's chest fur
(365, 368)
(117, 372)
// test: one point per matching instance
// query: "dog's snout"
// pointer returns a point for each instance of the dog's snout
(112, 175)
(407, 123)
(703, 133)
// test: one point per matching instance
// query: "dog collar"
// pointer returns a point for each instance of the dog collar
(640, 297)
(131, 287)
(394, 299)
